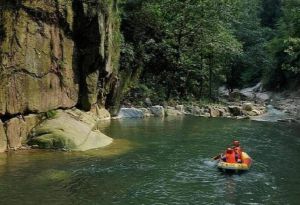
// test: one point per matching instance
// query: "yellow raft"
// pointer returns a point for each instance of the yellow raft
(245, 165)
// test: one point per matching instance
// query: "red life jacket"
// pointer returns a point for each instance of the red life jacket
(230, 157)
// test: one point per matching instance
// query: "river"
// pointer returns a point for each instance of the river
(156, 161)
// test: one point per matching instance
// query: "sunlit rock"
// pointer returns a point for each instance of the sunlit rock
(3, 138)
(131, 113)
(70, 130)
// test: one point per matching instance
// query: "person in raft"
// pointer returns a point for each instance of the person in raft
(234, 154)
(238, 150)
(229, 156)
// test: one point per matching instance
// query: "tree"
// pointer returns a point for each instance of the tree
(285, 48)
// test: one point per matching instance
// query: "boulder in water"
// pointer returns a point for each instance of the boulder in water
(172, 112)
(131, 113)
(157, 111)
(70, 130)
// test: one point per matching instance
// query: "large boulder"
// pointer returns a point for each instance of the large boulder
(223, 91)
(197, 111)
(3, 138)
(247, 106)
(255, 93)
(101, 113)
(157, 111)
(131, 113)
(70, 130)
(18, 129)
(172, 112)
(180, 108)
(235, 110)
(263, 97)
(249, 93)
(214, 112)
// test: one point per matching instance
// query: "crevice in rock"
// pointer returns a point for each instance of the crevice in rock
(88, 45)
(34, 75)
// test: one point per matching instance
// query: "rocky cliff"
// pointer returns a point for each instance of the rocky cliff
(54, 54)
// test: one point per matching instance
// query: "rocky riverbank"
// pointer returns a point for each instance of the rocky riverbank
(70, 129)
(253, 103)
(241, 110)
(289, 104)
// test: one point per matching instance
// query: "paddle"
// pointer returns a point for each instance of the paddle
(217, 157)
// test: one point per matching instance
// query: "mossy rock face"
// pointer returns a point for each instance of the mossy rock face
(54, 140)
(54, 51)
(69, 130)
(36, 41)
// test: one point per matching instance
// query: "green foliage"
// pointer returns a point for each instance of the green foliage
(51, 114)
(285, 48)
(187, 49)
(182, 47)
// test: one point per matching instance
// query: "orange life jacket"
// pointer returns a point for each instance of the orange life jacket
(230, 157)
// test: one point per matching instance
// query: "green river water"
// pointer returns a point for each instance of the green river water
(156, 161)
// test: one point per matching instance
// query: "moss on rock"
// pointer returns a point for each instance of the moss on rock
(70, 130)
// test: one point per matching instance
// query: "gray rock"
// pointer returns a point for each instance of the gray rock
(247, 106)
(249, 93)
(205, 115)
(263, 97)
(180, 108)
(157, 111)
(131, 113)
(172, 112)
(223, 91)
(197, 111)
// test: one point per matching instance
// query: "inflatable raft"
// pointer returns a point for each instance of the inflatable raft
(245, 165)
